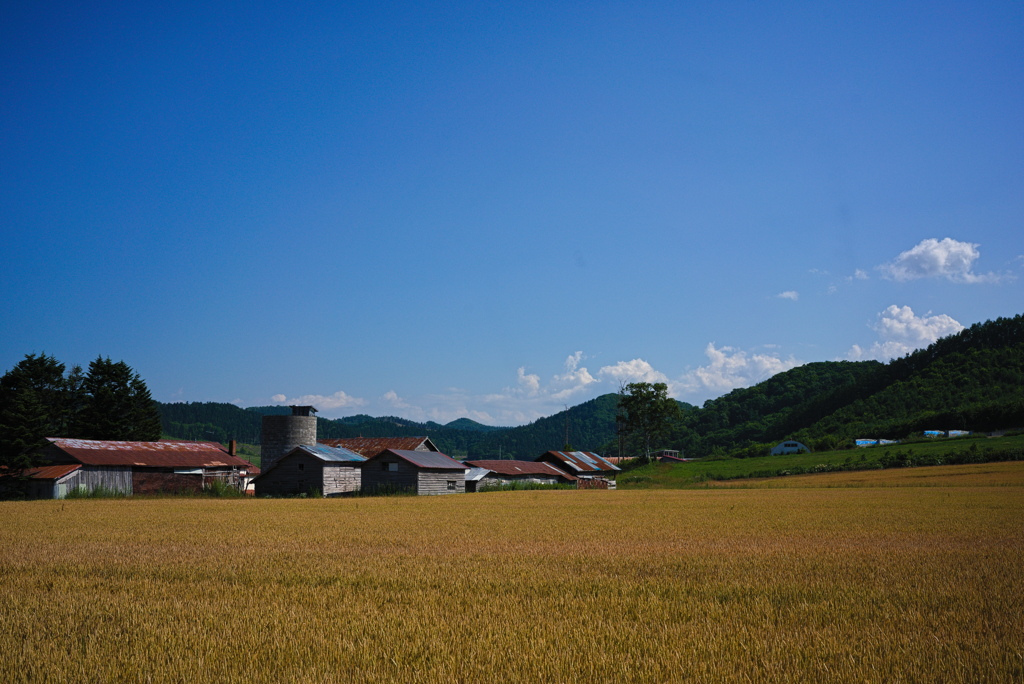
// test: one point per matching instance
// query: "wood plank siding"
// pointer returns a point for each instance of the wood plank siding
(302, 473)
(392, 474)
(387, 474)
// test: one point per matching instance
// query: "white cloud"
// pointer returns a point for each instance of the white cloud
(789, 294)
(931, 258)
(729, 368)
(528, 382)
(322, 402)
(636, 370)
(860, 274)
(391, 397)
(574, 380)
(900, 332)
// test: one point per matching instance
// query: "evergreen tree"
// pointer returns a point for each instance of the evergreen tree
(117, 404)
(32, 406)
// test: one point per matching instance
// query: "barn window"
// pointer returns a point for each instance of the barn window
(302, 466)
(451, 485)
(393, 467)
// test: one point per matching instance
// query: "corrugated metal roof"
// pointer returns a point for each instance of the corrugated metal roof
(507, 467)
(427, 459)
(329, 454)
(371, 446)
(54, 472)
(165, 454)
(476, 474)
(582, 461)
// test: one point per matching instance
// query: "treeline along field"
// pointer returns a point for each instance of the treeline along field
(893, 584)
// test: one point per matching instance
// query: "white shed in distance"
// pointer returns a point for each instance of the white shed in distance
(788, 447)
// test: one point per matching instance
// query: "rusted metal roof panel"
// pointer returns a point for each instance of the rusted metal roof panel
(507, 467)
(582, 461)
(369, 447)
(166, 454)
(54, 472)
(428, 459)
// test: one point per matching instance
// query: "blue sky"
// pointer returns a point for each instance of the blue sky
(494, 210)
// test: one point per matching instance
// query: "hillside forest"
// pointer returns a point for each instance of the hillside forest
(973, 380)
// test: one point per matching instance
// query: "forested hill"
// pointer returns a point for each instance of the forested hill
(973, 380)
(590, 425)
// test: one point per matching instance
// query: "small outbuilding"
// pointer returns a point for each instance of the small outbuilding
(582, 464)
(422, 472)
(330, 471)
(789, 447)
(506, 472)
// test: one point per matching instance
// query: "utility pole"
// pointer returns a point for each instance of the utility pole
(566, 442)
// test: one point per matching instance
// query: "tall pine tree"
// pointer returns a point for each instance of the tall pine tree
(34, 401)
(116, 404)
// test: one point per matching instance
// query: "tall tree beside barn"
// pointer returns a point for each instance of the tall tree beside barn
(646, 413)
(116, 404)
(34, 398)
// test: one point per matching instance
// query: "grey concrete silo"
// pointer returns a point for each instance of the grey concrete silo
(281, 434)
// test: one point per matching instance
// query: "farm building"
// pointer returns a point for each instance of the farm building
(509, 472)
(423, 472)
(582, 464)
(329, 470)
(789, 447)
(368, 447)
(473, 478)
(136, 467)
(57, 481)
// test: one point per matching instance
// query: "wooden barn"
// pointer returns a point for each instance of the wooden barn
(331, 471)
(57, 481)
(586, 465)
(422, 472)
(505, 472)
(135, 467)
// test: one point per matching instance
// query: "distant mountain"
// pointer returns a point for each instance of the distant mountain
(973, 380)
(471, 425)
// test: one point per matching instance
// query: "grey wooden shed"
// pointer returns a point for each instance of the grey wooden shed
(331, 471)
(422, 472)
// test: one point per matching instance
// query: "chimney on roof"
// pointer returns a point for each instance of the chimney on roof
(232, 447)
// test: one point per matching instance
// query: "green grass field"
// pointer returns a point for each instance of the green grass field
(677, 475)
(893, 583)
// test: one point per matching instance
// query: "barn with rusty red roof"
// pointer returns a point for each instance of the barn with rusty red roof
(586, 465)
(507, 472)
(136, 467)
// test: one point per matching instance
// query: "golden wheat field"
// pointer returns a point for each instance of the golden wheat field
(1007, 474)
(876, 584)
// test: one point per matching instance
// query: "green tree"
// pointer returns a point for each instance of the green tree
(116, 404)
(647, 413)
(33, 402)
